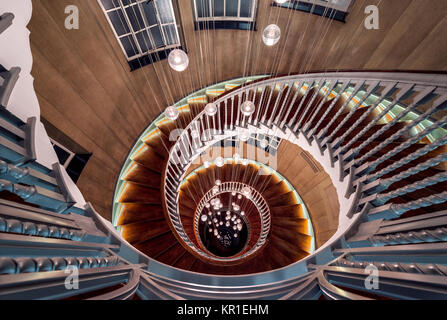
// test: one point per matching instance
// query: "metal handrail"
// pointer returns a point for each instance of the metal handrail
(178, 161)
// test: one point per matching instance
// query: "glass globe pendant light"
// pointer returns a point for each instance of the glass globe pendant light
(244, 136)
(178, 60)
(204, 218)
(210, 109)
(246, 191)
(171, 113)
(247, 108)
(236, 157)
(219, 162)
(263, 144)
(271, 35)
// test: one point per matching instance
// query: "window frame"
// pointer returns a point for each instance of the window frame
(238, 18)
(342, 9)
(146, 28)
(71, 153)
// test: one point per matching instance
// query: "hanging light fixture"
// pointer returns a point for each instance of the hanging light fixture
(263, 144)
(178, 60)
(194, 134)
(271, 35)
(204, 217)
(210, 109)
(246, 191)
(236, 157)
(171, 113)
(244, 136)
(218, 182)
(219, 162)
(281, 1)
(247, 108)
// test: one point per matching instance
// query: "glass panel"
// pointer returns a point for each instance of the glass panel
(119, 22)
(218, 7)
(127, 2)
(203, 9)
(136, 20)
(165, 11)
(231, 8)
(156, 35)
(129, 46)
(144, 41)
(246, 8)
(170, 34)
(149, 11)
(110, 4)
(62, 155)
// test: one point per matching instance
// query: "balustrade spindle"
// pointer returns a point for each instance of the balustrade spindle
(430, 181)
(413, 156)
(396, 210)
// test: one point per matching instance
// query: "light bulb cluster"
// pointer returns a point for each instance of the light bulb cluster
(217, 220)
(215, 217)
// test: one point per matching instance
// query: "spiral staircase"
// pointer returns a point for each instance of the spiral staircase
(141, 216)
(380, 136)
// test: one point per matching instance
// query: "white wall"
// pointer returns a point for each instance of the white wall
(15, 51)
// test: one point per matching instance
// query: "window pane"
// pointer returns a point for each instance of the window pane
(170, 34)
(203, 9)
(231, 8)
(119, 22)
(136, 20)
(165, 11)
(156, 35)
(127, 2)
(110, 4)
(144, 41)
(149, 11)
(246, 8)
(129, 46)
(218, 7)
(62, 155)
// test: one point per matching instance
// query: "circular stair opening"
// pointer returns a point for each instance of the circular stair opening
(225, 233)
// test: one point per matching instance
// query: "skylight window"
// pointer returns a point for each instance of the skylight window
(145, 29)
(226, 14)
(333, 9)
